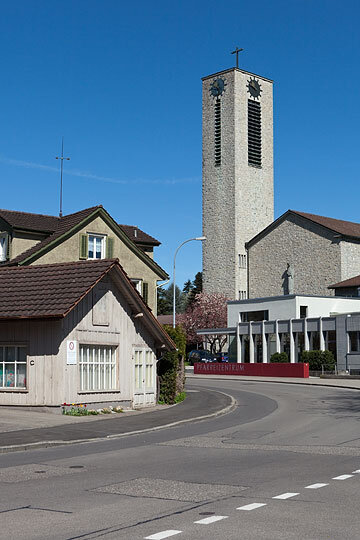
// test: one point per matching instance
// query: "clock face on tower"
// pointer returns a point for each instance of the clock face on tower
(254, 88)
(217, 87)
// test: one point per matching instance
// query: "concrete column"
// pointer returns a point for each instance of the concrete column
(251, 345)
(292, 344)
(321, 333)
(277, 337)
(306, 336)
(264, 344)
(238, 345)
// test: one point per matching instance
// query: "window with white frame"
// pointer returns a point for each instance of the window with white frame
(242, 260)
(137, 284)
(96, 246)
(98, 368)
(13, 366)
(4, 238)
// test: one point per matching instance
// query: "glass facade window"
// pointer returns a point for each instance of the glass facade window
(13, 366)
(354, 345)
(97, 367)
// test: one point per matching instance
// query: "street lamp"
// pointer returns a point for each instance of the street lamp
(201, 238)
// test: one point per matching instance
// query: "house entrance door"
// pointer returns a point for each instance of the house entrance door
(144, 377)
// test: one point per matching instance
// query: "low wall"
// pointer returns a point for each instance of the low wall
(262, 370)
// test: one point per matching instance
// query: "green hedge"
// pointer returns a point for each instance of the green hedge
(170, 368)
(317, 359)
(280, 357)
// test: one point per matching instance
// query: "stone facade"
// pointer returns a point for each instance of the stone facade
(237, 197)
(350, 259)
(314, 252)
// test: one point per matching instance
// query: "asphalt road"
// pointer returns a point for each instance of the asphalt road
(280, 466)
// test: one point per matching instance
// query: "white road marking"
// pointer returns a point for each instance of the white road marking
(286, 496)
(316, 486)
(251, 506)
(161, 535)
(357, 471)
(210, 519)
(343, 477)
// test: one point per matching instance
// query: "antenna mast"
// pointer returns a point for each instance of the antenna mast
(61, 172)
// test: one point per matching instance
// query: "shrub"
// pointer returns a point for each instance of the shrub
(171, 368)
(317, 359)
(279, 357)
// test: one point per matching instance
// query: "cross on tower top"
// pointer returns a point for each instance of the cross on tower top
(237, 50)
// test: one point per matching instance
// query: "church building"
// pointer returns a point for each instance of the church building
(246, 253)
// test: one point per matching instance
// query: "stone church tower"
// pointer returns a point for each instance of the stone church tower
(238, 193)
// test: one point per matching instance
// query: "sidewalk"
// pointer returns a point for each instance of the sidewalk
(349, 383)
(26, 429)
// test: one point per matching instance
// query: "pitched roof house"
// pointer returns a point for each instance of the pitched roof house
(91, 233)
(320, 251)
(76, 332)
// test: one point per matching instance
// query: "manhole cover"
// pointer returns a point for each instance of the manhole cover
(206, 513)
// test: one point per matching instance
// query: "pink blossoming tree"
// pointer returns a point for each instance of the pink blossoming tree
(207, 311)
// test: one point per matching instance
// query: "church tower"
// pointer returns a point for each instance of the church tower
(238, 174)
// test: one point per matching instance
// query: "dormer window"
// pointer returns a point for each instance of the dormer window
(4, 239)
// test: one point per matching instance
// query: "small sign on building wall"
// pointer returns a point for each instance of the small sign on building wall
(71, 352)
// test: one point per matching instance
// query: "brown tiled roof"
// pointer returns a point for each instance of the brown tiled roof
(64, 225)
(50, 290)
(53, 290)
(33, 222)
(346, 228)
(138, 236)
(352, 282)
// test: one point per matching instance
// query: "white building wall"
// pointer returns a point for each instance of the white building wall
(288, 307)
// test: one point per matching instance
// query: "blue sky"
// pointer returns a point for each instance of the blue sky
(122, 83)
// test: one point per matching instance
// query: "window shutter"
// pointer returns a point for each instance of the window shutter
(145, 292)
(109, 247)
(8, 247)
(84, 248)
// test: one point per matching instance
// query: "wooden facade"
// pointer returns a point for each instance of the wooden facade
(104, 317)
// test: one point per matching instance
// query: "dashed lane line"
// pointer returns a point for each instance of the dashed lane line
(211, 519)
(161, 535)
(316, 486)
(248, 507)
(286, 495)
(251, 506)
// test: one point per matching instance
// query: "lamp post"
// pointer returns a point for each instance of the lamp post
(201, 238)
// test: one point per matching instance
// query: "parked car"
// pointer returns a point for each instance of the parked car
(199, 355)
(222, 357)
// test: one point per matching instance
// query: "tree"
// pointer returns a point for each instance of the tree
(165, 300)
(193, 288)
(207, 311)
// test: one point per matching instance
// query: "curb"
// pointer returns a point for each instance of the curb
(252, 379)
(49, 444)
